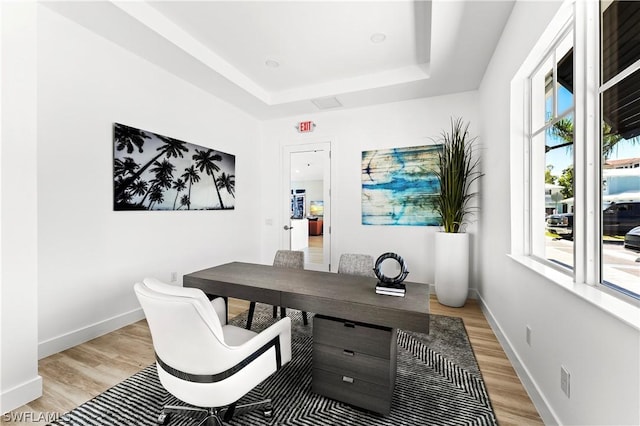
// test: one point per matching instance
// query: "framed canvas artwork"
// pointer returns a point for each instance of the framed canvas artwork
(398, 186)
(156, 172)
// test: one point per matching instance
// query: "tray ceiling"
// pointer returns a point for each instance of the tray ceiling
(280, 58)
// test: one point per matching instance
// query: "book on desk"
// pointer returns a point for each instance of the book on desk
(397, 290)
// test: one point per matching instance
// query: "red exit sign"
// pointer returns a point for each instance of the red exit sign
(306, 126)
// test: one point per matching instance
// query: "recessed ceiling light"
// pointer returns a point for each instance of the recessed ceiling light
(378, 37)
(272, 63)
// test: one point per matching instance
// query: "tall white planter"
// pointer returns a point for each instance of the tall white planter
(452, 268)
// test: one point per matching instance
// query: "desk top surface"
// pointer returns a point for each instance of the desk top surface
(345, 296)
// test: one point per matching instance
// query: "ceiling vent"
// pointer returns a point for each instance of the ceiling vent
(326, 103)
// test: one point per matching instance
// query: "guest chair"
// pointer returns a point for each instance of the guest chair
(203, 361)
(356, 264)
(283, 259)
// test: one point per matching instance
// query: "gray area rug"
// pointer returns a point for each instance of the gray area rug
(438, 383)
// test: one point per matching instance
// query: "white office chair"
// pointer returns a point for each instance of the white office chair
(356, 264)
(203, 361)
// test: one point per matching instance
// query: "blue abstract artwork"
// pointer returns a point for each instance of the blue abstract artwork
(398, 186)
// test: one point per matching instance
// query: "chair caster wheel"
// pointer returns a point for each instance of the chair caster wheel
(163, 419)
(268, 413)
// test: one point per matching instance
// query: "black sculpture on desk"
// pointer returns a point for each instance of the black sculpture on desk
(391, 286)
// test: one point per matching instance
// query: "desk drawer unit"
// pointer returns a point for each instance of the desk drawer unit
(354, 363)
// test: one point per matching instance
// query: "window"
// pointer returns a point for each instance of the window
(620, 142)
(582, 137)
(551, 153)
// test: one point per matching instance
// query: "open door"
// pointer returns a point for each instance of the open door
(307, 203)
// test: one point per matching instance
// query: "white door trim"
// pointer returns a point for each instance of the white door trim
(287, 150)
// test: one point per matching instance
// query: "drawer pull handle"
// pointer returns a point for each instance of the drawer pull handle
(347, 379)
(349, 324)
(348, 352)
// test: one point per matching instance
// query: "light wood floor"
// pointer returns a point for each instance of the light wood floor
(313, 252)
(80, 373)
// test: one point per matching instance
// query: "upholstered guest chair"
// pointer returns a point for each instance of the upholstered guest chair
(282, 259)
(202, 360)
(356, 264)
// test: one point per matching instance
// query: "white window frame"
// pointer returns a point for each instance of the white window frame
(534, 161)
(585, 278)
(587, 127)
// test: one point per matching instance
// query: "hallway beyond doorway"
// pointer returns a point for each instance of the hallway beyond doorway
(313, 252)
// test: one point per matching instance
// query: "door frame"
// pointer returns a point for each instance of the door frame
(285, 192)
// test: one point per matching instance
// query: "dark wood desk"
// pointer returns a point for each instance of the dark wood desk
(354, 357)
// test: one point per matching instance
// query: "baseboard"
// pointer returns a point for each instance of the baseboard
(539, 401)
(20, 395)
(76, 337)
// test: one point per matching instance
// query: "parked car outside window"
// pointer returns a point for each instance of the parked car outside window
(632, 239)
(617, 220)
(620, 218)
(561, 225)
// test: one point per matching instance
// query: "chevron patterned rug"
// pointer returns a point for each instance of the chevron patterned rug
(438, 383)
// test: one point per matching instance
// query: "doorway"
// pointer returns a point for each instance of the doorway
(307, 198)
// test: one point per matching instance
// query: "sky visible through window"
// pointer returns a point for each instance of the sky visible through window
(561, 158)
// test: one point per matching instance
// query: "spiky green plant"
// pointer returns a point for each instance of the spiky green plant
(458, 169)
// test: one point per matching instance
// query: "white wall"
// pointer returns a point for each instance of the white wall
(352, 131)
(600, 352)
(88, 255)
(19, 380)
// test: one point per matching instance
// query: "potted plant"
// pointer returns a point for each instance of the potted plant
(458, 169)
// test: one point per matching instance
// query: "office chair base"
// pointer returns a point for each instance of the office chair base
(215, 416)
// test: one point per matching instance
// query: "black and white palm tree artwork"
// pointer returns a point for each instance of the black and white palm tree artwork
(155, 172)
